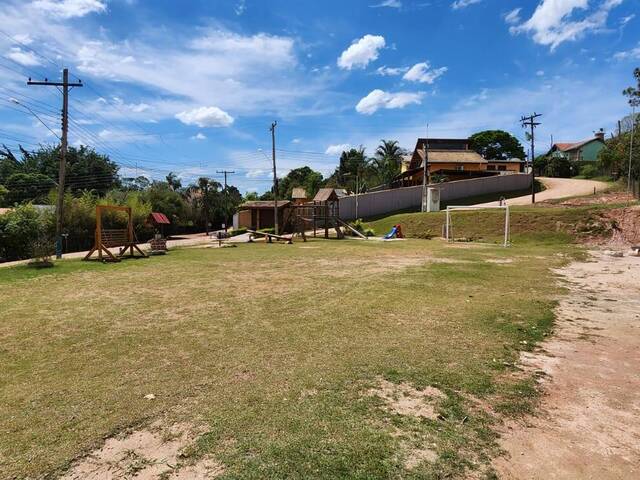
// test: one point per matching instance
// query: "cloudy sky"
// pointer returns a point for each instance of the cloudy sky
(193, 86)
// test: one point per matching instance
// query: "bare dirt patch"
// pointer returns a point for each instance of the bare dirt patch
(418, 455)
(149, 454)
(404, 399)
(590, 423)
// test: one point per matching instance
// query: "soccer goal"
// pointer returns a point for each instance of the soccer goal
(450, 230)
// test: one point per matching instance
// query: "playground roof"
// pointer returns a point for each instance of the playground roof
(264, 204)
(159, 218)
(298, 193)
(325, 194)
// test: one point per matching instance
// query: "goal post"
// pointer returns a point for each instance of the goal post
(449, 233)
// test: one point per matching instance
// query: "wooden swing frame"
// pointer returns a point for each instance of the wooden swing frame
(106, 238)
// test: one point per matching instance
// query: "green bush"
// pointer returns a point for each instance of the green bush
(589, 171)
(267, 230)
(22, 231)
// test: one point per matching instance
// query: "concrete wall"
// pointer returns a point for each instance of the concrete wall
(388, 201)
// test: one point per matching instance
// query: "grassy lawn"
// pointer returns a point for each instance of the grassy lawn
(530, 225)
(272, 349)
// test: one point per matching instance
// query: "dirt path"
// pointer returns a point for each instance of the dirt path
(558, 188)
(181, 241)
(589, 425)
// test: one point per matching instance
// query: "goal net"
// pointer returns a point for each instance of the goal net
(478, 224)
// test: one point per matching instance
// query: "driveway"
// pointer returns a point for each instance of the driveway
(557, 188)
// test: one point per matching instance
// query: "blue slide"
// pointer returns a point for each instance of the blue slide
(391, 234)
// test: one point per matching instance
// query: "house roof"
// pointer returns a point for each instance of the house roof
(325, 194)
(264, 204)
(505, 160)
(299, 193)
(159, 218)
(567, 147)
(452, 156)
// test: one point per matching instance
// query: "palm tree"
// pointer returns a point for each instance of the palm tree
(388, 159)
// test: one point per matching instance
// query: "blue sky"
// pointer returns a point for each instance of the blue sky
(193, 86)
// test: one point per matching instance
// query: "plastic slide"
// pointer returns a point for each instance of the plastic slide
(392, 233)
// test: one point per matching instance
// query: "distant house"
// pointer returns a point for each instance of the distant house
(579, 152)
(258, 214)
(451, 158)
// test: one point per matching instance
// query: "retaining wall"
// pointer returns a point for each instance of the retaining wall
(388, 201)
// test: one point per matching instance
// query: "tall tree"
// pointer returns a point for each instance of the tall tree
(496, 144)
(353, 164)
(304, 177)
(633, 93)
(174, 181)
(388, 161)
(86, 169)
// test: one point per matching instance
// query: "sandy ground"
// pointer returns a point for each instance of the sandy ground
(589, 425)
(557, 188)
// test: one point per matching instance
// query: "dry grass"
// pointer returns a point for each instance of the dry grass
(271, 348)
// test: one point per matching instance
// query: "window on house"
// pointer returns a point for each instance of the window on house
(460, 168)
(502, 168)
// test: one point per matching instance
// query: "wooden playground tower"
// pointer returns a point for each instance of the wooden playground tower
(323, 212)
(110, 238)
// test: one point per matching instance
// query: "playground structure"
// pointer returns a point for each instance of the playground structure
(323, 213)
(110, 238)
(396, 232)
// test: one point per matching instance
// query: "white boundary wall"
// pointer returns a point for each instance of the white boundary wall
(387, 201)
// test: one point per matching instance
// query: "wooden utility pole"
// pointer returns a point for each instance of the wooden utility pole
(226, 196)
(275, 177)
(425, 171)
(530, 122)
(633, 131)
(225, 172)
(63, 148)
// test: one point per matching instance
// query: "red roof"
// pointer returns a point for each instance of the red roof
(159, 218)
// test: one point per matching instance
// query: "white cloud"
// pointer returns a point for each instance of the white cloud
(199, 136)
(391, 71)
(554, 21)
(633, 53)
(540, 73)
(70, 8)
(256, 173)
(26, 58)
(296, 140)
(240, 7)
(422, 72)
(627, 19)
(458, 4)
(361, 52)
(513, 16)
(335, 150)
(388, 3)
(206, 117)
(378, 99)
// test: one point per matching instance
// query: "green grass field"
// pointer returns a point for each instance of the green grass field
(271, 350)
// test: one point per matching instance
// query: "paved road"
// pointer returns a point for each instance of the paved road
(557, 188)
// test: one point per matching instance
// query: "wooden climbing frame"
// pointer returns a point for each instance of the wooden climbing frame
(110, 238)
